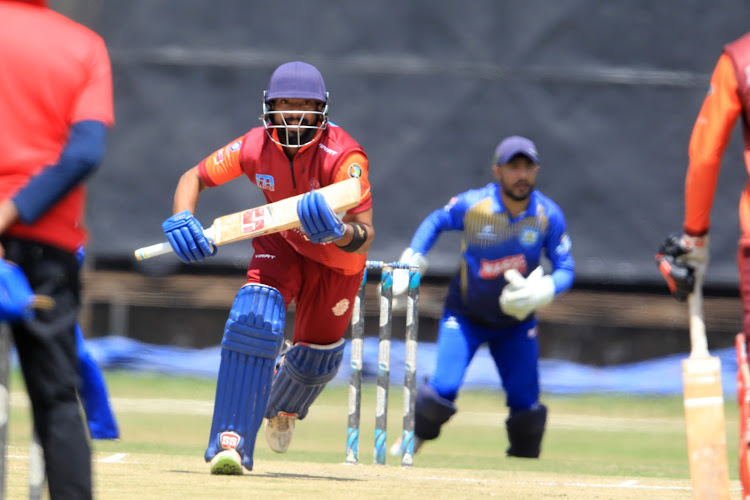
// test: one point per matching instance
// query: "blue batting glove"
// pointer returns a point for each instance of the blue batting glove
(16, 296)
(185, 234)
(318, 220)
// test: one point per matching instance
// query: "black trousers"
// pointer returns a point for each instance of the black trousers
(47, 353)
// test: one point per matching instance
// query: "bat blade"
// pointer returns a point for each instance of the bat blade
(281, 215)
(703, 398)
(705, 427)
(266, 219)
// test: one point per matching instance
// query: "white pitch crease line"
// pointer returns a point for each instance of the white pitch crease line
(624, 485)
(627, 484)
(113, 459)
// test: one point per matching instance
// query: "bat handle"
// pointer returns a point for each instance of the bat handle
(152, 251)
(42, 302)
(162, 248)
(698, 342)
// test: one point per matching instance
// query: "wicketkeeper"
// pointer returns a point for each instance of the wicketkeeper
(508, 227)
(320, 266)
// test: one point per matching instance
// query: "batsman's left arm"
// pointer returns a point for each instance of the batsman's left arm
(188, 191)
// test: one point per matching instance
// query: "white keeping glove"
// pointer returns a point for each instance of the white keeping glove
(521, 296)
(696, 255)
(401, 276)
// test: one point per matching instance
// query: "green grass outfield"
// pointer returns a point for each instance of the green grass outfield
(604, 447)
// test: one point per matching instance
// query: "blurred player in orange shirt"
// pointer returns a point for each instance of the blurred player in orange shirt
(55, 110)
(319, 266)
(728, 98)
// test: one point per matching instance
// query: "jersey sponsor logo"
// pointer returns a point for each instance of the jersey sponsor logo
(451, 322)
(327, 149)
(229, 440)
(264, 256)
(265, 182)
(235, 146)
(341, 307)
(219, 157)
(531, 333)
(492, 269)
(253, 220)
(487, 233)
(355, 170)
(529, 236)
(564, 246)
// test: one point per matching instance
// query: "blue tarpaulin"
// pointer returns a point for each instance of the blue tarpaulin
(662, 376)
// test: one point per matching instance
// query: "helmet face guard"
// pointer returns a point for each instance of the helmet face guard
(309, 126)
(295, 80)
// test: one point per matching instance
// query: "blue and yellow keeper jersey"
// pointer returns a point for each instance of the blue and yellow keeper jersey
(492, 243)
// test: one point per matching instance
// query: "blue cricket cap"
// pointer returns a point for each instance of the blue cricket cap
(296, 80)
(515, 145)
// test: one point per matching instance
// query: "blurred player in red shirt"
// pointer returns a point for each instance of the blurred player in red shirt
(55, 110)
(319, 266)
(728, 99)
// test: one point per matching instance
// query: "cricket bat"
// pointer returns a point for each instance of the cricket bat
(704, 409)
(271, 218)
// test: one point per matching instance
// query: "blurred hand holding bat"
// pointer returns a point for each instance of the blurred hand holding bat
(679, 264)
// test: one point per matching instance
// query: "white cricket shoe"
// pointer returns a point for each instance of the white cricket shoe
(227, 462)
(397, 448)
(279, 431)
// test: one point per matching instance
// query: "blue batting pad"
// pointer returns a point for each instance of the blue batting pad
(304, 373)
(252, 340)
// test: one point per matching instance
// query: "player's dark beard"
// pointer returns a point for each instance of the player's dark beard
(508, 191)
(292, 135)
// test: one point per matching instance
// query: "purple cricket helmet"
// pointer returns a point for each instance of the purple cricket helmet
(295, 80)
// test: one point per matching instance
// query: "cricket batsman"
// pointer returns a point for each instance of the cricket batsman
(318, 266)
(683, 258)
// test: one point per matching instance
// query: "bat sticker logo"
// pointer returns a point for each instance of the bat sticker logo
(254, 220)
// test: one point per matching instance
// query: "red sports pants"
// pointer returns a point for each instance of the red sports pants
(323, 297)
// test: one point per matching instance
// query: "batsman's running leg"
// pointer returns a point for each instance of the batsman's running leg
(252, 340)
(304, 372)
